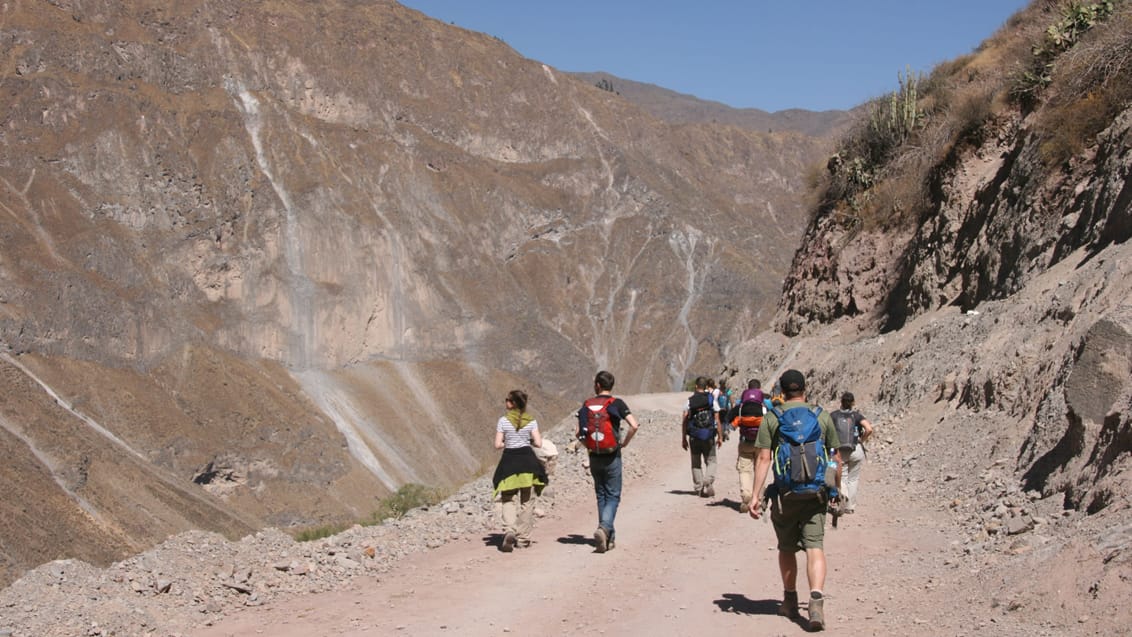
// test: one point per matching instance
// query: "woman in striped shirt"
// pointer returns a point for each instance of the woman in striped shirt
(520, 476)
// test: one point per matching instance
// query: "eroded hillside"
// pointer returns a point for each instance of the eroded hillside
(974, 288)
(264, 262)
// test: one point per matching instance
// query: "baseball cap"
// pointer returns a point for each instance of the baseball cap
(792, 380)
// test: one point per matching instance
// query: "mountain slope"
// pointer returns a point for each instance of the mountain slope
(984, 320)
(286, 257)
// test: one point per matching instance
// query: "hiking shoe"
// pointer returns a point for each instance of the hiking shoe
(745, 507)
(601, 540)
(508, 543)
(609, 545)
(817, 617)
(789, 607)
(709, 491)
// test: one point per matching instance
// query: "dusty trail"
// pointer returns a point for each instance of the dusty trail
(683, 565)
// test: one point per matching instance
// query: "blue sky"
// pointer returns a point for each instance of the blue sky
(773, 55)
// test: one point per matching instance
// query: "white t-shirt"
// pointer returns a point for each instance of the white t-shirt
(513, 439)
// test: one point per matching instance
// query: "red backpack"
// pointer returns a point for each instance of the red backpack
(596, 426)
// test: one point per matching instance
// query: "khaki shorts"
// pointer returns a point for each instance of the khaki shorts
(800, 524)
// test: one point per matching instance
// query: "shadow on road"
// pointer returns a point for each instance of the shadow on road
(736, 603)
(574, 538)
(725, 502)
(683, 492)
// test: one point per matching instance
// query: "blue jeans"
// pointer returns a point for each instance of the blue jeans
(606, 472)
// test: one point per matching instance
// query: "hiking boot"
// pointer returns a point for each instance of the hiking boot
(609, 545)
(709, 491)
(745, 507)
(817, 617)
(508, 543)
(789, 607)
(601, 540)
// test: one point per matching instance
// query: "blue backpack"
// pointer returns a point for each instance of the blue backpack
(800, 456)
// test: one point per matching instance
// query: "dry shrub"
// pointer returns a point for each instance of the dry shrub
(1093, 83)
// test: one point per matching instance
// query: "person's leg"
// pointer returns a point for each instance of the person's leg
(812, 522)
(510, 514)
(709, 463)
(525, 521)
(510, 509)
(853, 477)
(788, 568)
(696, 449)
(612, 495)
(745, 465)
(815, 569)
(788, 532)
(597, 471)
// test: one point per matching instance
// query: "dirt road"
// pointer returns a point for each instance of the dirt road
(683, 565)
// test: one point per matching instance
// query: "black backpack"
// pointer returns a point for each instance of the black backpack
(701, 417)
(845, 421)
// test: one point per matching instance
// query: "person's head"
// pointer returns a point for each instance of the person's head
(793, 384)
(754, 384)
(603, 381)
(516, 399)
(711, 383)
(847, 400)
(722, 384)
(701, 383)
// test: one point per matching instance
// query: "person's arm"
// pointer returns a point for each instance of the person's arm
(631, 420)
(762, 467)
(536, 436)
(866, 429)
(684, 430)
(498, 439)
(715, 412)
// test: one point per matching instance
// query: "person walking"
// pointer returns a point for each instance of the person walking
(599, 429)
(701, 433)
(723, 398)
(799, 519)
(853, 429)
(520, 476)
(748, 419)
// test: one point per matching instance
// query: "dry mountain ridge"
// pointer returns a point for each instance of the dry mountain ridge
(683, 108)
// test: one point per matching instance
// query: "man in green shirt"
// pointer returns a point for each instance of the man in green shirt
(799, 522)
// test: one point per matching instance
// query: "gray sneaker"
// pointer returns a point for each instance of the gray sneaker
(508, 543)
(817, 617)
(601, 540)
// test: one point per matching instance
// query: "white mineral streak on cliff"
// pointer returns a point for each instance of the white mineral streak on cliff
(422, 407)
(362, 436)
(53, 469)
(684, 245)
(303, 337)
(38, 231)
(102, 431)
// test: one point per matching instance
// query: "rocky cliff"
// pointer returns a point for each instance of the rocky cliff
(986, 324)
(264, 262)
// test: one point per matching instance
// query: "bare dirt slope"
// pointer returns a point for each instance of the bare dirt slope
(683, 565)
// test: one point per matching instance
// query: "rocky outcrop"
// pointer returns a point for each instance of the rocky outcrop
(991, 337)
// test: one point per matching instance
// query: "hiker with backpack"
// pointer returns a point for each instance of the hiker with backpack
(701, 433)
(853, 429)
(520, 476)
(748, 417)
(800, 442)
(723, 399)
(599, 430)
